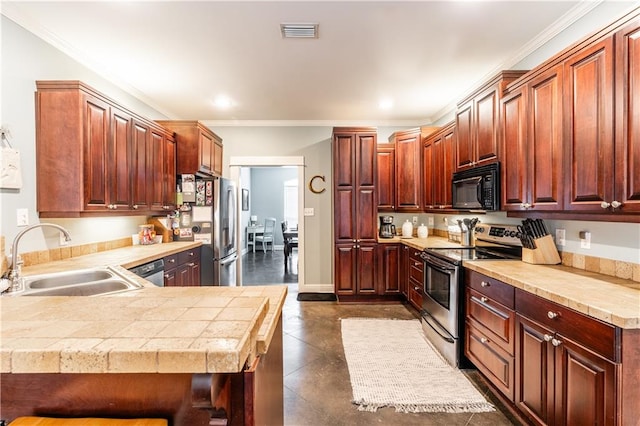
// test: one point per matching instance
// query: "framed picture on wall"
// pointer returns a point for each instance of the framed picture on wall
(245, 199)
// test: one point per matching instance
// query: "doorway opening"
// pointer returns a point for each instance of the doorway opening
(276, 191)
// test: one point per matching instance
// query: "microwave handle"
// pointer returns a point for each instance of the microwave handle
(471, 179)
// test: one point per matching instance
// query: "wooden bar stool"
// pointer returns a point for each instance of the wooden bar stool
(87, 421)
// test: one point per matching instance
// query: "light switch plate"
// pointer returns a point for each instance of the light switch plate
(560, 237)
(309, 211)
(585, 242)
(22, 217)
(430, 221)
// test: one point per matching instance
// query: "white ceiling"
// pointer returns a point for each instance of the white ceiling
(178, 56)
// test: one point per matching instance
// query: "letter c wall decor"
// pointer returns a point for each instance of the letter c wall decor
(312, 189)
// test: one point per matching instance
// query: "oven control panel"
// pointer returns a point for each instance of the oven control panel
(502, 234)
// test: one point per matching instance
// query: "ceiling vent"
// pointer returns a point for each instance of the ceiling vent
(299, 30)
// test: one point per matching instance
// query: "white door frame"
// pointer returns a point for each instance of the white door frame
(235, 163)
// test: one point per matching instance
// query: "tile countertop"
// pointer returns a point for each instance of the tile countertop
(613, 300)
(154, 329)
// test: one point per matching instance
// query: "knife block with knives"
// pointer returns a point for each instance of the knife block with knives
(538, 247)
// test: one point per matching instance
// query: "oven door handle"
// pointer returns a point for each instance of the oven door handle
(440, 265)
(427, 319)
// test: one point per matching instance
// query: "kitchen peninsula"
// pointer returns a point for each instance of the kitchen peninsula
(192, 355)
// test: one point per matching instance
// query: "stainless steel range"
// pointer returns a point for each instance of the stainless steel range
(442, 306)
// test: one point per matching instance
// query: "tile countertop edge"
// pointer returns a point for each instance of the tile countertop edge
(568, 287)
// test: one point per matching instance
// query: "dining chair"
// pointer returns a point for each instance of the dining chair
(267, 236)
(289, 244)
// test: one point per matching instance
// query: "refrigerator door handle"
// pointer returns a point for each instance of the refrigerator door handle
(228, 259)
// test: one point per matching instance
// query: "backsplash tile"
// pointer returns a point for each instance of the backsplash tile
(614, 268)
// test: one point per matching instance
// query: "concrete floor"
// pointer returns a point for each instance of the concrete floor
(317, 388)
(316, 379)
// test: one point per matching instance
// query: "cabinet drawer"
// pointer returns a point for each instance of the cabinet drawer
(497, 290)
(414, 294)
(496, 364)
(415, 259)
(192, 255)
(495, 319)
(171, 261)
(595, 335)
(416, 274)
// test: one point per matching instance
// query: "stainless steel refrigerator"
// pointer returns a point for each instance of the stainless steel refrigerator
(215, 226)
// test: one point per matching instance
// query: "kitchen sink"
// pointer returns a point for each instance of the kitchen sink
(84, 282)
(68, 278)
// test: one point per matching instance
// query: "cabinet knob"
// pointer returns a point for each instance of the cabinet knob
(552, 314)
(605, 205)
(416, 288)
(556, 342)
(485, 284)
(484, 340)
(547, 338)
(525, 206)
(190, 264)
(615, 204)
(135, 207)
(483, 299)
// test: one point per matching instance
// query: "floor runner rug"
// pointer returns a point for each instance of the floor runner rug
(392, 364)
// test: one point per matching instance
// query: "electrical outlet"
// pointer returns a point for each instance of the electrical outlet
(415, 220)
(22, 217)
(585, 240)
(560, 237)
(309, 211)
(430, 221)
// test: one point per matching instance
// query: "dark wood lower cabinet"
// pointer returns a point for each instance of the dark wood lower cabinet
(549, 364)
(389, 268)
(182, 269)
(561, 382)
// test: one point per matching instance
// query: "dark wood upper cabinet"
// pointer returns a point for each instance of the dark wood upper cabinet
(438, 155)
(588, 127)
(198, 149)
(386, 185)
(92, 155)
(408, 170)
(627, 139)
(477, 123)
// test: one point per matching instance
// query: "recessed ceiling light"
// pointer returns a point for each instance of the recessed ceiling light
(223, 102)
(385, 104)
(299, 30)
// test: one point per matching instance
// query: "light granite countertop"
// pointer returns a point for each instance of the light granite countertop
(613, 300)
(153, 329)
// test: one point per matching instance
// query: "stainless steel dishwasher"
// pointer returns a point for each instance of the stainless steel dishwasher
(152, 272)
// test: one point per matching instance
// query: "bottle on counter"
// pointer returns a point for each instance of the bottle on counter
(423, 231)
(407, 229)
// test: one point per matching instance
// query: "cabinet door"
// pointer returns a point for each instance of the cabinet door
(96, 148)
(156, 172)
(344, 185)
(170, 279)
(345, 269)
(366, 269)
(627, 173)
(514, 153)
(545, 141)
(428, 178)
(217, 158)
(119, 159)
(585, 386)
(389, 262)
(408, 171)
(534, 371)
(464, 136)
(169, 173)
(486, 127)
(386, 177)
(205, 142)
(365, 215)
(443, 167)
(588, 127)
(141, 153)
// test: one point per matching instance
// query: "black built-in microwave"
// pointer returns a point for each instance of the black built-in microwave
(477, 188)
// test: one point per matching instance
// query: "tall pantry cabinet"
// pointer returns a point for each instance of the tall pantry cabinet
(355, 211)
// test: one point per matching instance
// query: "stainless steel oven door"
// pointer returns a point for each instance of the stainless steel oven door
(441, 287)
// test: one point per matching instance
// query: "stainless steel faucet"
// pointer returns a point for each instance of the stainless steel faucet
(13, 274)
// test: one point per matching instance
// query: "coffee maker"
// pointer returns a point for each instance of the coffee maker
(387, 228)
